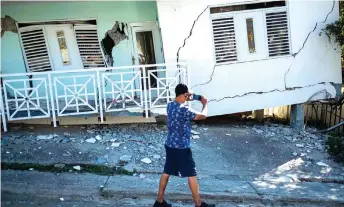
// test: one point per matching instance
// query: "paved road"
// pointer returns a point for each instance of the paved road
(25, 200)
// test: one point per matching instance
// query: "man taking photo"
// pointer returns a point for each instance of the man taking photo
(179, 161)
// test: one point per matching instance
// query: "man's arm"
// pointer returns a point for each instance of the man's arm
(203, 114)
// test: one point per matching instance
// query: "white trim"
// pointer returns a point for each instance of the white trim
(59, 20)
(92, 70)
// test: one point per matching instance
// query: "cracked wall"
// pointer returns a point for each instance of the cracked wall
(314, 67)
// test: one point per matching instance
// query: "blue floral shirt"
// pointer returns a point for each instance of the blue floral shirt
(179, 126)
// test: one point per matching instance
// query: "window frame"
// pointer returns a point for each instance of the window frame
(38, 26)
(234, 13)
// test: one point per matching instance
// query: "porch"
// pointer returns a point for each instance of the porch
(139, 90)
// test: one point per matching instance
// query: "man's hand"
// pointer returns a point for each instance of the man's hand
(203, 114)
(204, 101)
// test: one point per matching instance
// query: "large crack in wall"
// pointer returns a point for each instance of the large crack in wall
(294, 55)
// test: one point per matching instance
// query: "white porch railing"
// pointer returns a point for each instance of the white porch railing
(88, 91)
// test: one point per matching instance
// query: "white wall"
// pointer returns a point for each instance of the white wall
(317, 62)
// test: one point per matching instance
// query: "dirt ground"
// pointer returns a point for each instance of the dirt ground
(222, 151)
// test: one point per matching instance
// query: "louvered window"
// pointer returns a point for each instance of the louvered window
(89, 47)
(35, 49)
(277, 33)
(224, 40)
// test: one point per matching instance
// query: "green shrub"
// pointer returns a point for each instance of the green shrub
(335, 147)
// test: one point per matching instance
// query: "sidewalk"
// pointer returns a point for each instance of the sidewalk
(70, 185)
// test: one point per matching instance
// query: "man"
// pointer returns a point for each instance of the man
(179, 161)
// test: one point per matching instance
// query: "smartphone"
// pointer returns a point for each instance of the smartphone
(197, 97)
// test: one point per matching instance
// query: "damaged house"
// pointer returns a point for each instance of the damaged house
(100, 61)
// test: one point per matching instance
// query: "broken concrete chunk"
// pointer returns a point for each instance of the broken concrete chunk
(156, 156)
(113, 140)
(129, 167)
(61, 199)
(59, 165)
(98, 137)
(125, 158)
(146, 160)
(66, 134)
(45, 137)
(77, 167)
(116, 144)
(142, 176)
(205, 129)
(195, 137)
(294, 153)
(101, 160)
(90, 131)
(228, 135)
(322, 164)
(194, 132)
(31, 169)
(91, 140)
(300, 145)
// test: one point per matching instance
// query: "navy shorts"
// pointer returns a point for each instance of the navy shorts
(179, 162)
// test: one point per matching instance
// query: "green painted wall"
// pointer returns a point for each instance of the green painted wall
(107, 13)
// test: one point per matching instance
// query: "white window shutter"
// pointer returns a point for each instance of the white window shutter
(224, 40)
(277, 33)
(35, 49)
(89, 47)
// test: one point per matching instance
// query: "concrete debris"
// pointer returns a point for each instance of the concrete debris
(68, 154)
(258, 131)
(66, 134)
(90, 131)
(194, 126)
(116, 144)
(228, 135)
(65, 140)
(45, 137)
(205, 129)
(113, 140)
(59, 165)
(142, 176)
(91, 140)
(156, 156)
(129, 167)
(101, 160)
(98, 137)
(195, 137)
(61, 199)
(125, 158)
(31, 127)
(124, 147)
(194, 132)
(7, 152)
(300, 145)
(294, 153)
(77, 167)
(321, 164)
(31, 169)
(146, 160)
